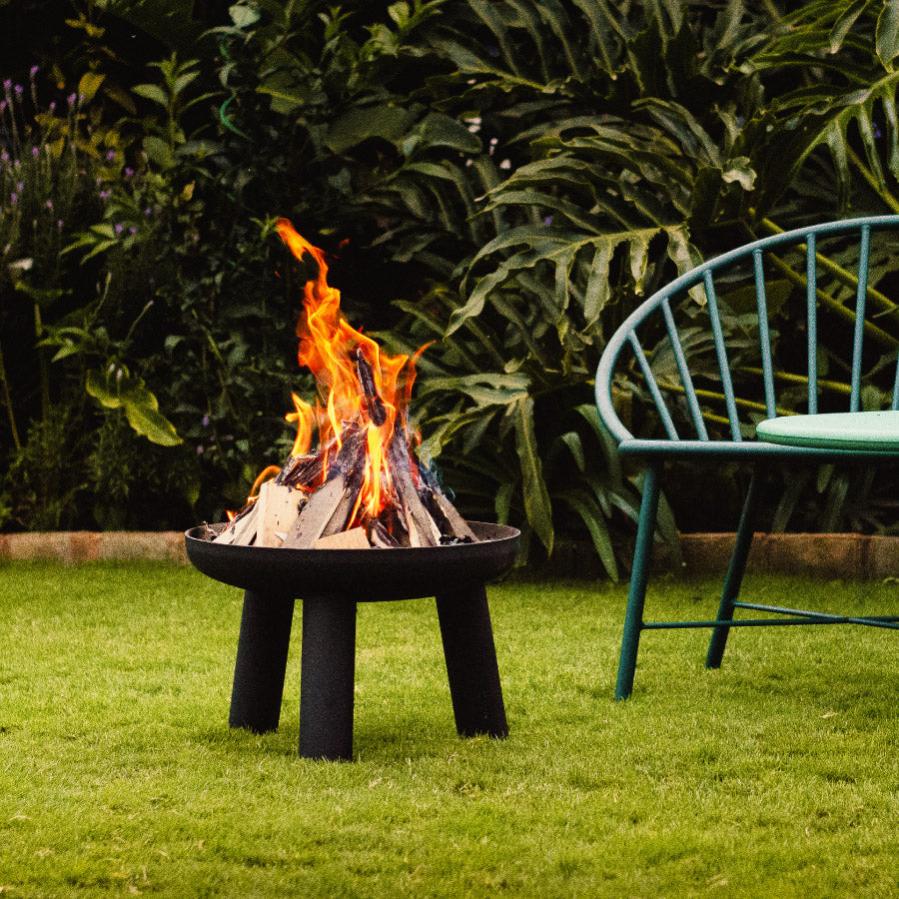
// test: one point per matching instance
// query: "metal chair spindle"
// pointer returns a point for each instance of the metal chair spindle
(684, 372)
(811, 302)
(657, 398)
(858, 336)
(764, 335)
(721, 353)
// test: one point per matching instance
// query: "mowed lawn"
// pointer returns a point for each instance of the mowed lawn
(776, 776)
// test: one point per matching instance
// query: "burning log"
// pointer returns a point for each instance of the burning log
(242, 529)
(453, 527)
(328, 509)
(277, 510)
(376, 411)
(420, 526)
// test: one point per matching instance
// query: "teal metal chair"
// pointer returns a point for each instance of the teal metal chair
(700, 371)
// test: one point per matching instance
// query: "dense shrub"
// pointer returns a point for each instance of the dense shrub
(508, 178)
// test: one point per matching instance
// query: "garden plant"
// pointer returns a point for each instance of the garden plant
(508, 179)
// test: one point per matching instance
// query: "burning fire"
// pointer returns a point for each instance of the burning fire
(361, 486)
(357, 383)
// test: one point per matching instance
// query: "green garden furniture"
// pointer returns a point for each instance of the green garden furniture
(722, 383)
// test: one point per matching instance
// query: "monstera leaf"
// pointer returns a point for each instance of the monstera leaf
(115, 388)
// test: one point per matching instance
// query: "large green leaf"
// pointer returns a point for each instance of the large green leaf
(537, 504)
(114, 388)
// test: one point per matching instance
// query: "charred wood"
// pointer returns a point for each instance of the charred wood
(373, 402)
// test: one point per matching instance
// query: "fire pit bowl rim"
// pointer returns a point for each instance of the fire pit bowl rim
(358, 574)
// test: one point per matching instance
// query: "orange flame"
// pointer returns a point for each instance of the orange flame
(327, 346)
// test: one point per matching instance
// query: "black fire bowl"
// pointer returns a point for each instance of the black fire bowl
(330, 583)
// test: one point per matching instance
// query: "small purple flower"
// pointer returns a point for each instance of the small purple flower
(201, 450)
(877, 132)
(33, 71)
(19, 91)
(49, 205)
(4, 156)
(52, 107)
(548, 220)
(81, 98)
(105, 195)
(118, 228)
(7, 85)
(132, 230)
(59, 224)
(205, 421)
(13, 199)
(35, 152)
(148, 213)
(129, 172)
(20, 186)
(2, 106)
(71, 100)
(110, 155)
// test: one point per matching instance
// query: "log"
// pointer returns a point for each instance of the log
(456, 525)
(420, 526)
(379, 536)
(316, 514)
(352, 539)
(278, 507)
(373, 402)
(242, 530)
(338, 492)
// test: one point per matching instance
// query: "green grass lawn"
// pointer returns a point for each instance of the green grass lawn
(776, 776)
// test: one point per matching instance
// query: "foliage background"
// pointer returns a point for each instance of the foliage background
(510, 178)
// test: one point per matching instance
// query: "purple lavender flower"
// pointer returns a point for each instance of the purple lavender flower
(20, 186)
(2, 106)
(35, 152)
(33, 71)
(4, 156)
(148, 213)
(71, 100)
(59, 224)
(110, 155)
(129, 172)
(200, 450)
(7, 84)
(81, 98)
(13, 199)
(205, 421)
(105, 195)
(52, 107)
(118, 228)
(548, 220)
(19, 91)
(49, 205)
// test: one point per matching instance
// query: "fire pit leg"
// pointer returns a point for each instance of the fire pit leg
(471, 662)
(327, 678)
(261, 661)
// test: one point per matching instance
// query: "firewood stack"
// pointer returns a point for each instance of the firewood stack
(322, 499)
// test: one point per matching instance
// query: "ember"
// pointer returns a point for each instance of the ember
(362, 486)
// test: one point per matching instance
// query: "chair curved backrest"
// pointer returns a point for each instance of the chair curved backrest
(713, 329)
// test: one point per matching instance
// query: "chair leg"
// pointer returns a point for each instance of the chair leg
(633, 620)
(734, 579)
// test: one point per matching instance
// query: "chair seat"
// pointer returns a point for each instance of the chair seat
(877, 431)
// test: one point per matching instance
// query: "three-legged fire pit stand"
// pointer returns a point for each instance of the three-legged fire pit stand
(331, 582)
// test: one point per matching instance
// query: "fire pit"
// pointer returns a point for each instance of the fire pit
(331, 582)
(356, 517)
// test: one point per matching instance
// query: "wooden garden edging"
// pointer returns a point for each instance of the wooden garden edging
(824, 555)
